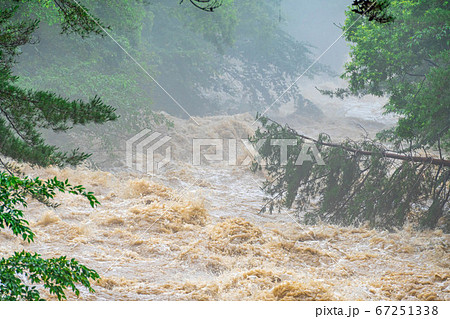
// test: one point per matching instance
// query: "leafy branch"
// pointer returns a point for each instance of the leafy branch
(56, 273)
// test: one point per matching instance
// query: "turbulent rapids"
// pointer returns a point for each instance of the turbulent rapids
(158, 238)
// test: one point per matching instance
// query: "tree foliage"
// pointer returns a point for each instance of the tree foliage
(360, 182)
(374, 10)
(406, 58)
(408, 61)
(21, 273)
(24, 113)
(56, 275)
(206, 5)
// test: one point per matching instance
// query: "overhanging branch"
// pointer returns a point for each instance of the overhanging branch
(388, 154)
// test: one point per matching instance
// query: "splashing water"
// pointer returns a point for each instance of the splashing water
(153, 239)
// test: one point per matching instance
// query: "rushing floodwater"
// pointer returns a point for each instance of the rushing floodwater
(159, 238)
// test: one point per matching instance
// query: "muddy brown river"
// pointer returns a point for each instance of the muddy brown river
(194, 233)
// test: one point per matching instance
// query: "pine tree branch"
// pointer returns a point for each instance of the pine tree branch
(388, 154)
(11, 122)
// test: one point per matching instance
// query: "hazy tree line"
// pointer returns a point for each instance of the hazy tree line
(233, 60)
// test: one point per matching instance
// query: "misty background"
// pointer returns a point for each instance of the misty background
(236, 60)
(316, 22)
